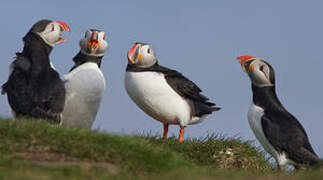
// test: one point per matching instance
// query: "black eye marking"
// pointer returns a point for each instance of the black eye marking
(148, 50)
(53, 27)
(262, 68)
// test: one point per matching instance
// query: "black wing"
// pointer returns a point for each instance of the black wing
(185, 87)
(17, 87)
(28, 97)
(286, 134)
(189, 90)
(51, 96)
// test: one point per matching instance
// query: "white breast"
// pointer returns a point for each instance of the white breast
(254, 116)
(85, 86)
(151, 92)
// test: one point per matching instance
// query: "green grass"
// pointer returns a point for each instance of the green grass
(30, 149)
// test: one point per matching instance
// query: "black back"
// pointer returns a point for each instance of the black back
(35, 89)
(282, 129)
(81, 58)
(183, 86)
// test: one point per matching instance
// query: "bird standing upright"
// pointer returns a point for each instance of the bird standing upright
(34, 88)
(278, 131)
(164, 94)
(85, 83)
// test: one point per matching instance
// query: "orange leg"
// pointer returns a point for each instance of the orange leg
(180, 139)
(281, 168)
(165, 131)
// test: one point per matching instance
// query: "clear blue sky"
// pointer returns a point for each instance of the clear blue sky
(201, 39)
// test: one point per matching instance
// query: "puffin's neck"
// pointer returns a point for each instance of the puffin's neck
(266, 98)
(134, 68)
(34, 46)
(82, 58)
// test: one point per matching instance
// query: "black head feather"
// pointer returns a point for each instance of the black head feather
(40, 25)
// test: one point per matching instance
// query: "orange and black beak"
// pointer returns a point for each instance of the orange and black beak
(64, 27)
(93, 42)
(243, 62)
(133, 53)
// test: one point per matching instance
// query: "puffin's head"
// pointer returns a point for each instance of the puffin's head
(141, 55)
(94, 43)
(259, 71)
(50, 31)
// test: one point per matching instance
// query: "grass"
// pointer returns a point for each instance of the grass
(30, 149)
(218, 152)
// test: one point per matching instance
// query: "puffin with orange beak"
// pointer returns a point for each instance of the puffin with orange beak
(277, 130)
(164, 94)
(85, 83)
(34, 88)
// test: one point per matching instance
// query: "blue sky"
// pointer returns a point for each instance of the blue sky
(201, 40)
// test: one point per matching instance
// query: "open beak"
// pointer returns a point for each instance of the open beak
(93, 42)
(64, 27)
(243, 59)
(133, 53)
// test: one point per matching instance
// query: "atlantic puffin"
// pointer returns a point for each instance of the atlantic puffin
(164, 94)
(277, 130)
(34, 88)
(85, 83)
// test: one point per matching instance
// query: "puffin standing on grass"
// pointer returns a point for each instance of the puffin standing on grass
(85, 83)
(278, 131)
(164, 94)
(34, 88)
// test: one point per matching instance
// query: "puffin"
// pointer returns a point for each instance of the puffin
(277, 130)
(34, 89)
(85, 83)
(162, 93)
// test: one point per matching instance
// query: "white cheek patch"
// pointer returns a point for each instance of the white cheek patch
(101, 35)
(103, 43)
(53, 37)
(83, 44)
(103, 47)
(267, 72)
(260, 78)
(50, 37)
(88, 34)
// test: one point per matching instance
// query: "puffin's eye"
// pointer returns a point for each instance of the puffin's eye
(104, 37)
(53, 27)
(262, 68)
(148, 50)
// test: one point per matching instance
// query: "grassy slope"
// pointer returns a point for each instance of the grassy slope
(31, 149)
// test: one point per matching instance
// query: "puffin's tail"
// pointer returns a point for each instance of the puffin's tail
(216, 108)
